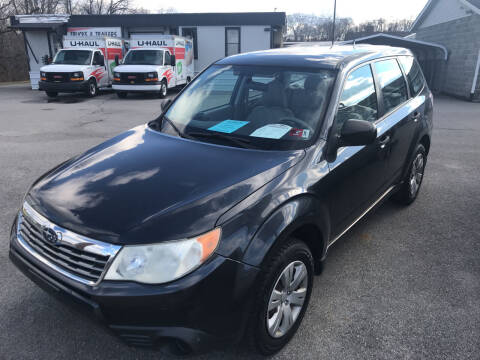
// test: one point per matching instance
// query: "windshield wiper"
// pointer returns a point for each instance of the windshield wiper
(174, 127)
(215, 135)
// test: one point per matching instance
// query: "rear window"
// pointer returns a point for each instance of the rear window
(392, 82)
(414, 74)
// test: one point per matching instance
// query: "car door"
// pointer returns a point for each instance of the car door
(100, 70)
(400, 116)
(168, 70)
(357, 173)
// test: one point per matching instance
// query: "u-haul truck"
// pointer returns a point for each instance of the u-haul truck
(82, 65)
(154, 63)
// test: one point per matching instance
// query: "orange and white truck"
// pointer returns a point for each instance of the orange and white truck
(82, 65)
(154, 63)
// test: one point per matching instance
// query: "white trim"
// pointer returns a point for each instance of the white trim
(421, 14)
(475, 77)
(470, 6)
(443, 48)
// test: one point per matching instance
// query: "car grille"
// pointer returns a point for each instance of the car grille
(135, 78)
(77, 257)
(58, 77)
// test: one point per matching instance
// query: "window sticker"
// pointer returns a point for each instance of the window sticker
(303, 133)
(228, 126)
(272, 131)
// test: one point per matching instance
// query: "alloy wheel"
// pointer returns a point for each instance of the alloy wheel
(287, 299)
(416, 174)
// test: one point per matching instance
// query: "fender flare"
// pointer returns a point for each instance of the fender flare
(300, 211)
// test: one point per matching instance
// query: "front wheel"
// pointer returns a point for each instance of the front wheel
(92, 89)
(282, 297)
(410, 188)
(163, 89)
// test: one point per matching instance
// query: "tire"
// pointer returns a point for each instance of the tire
(163, 90)
(412, 182)
(122, 94)
(51, 94)
(266, 333)
(92, 89)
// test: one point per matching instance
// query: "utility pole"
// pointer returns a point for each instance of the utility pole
(333, 24)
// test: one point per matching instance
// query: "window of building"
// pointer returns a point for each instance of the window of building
(359, 99)
(392, 82)
(232, 41)
(414, 74)
(191, 33)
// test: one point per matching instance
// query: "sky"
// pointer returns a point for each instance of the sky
(358, 10)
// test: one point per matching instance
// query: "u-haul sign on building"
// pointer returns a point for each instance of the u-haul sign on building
(94, 32)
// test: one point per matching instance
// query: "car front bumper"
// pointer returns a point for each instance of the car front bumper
(143, 88)
(63, 87)
(206, 307)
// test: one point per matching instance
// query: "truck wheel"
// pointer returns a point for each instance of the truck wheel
(122, 94)
(163, 89)
(92, 88)
(282, 297)
(51, 94)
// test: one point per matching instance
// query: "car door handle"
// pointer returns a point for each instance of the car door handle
(384, 141)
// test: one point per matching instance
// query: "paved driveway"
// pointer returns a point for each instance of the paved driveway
(403, 283)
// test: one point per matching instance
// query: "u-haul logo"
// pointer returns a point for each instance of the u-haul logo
(114, 43)
(92, 43)
(152, 43)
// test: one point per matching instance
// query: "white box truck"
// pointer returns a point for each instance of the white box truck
(154, 63)
(82, 65)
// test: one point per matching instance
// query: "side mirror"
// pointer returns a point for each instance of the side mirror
(173, 61)
(165, 104)
(357, 132)
(117, 60)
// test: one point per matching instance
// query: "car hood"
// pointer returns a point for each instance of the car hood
(63, 68)
(137, 68)
(144, 186)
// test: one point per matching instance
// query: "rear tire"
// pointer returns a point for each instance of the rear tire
(412, 182)
(51, 94)
(122, 94)
(163, 89)
(282, 297)
(92, 90)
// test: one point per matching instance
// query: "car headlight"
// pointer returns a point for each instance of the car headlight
(77, 74)
(116, 74)
(152, 75)
(163, 262)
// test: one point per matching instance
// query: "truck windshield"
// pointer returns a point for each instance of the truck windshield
(144, 57)
(263, 107)
(73, 57)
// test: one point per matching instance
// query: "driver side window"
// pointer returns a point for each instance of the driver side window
(358, 99)
(167, 58)
(97, 58)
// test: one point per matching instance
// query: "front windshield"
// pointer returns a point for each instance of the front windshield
(144, 57)
(73, 57)
(266, 107)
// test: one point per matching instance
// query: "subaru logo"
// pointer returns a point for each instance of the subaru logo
(50, 236)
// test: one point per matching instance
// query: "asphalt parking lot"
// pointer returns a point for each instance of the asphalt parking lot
(404, 283)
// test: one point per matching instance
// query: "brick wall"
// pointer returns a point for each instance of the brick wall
(462, 39)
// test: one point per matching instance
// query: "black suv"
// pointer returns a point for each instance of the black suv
(209, 223)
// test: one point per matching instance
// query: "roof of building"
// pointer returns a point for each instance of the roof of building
(277, 19)
(313, 56)
(181, 19)
(409, 43)
(473, 5)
